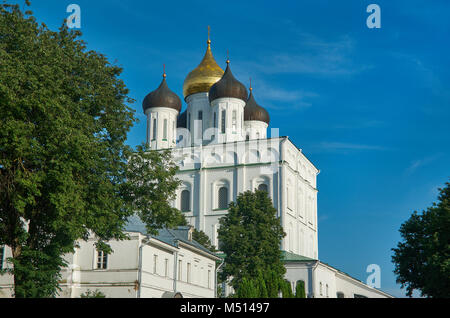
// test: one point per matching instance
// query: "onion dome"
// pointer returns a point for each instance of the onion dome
(228, 86)
(253, 111)
(181, 121)
(204, 76)
(162, 97)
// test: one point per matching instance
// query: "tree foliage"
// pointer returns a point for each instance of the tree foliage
(422, 258)
(286, 289)
(300, 291)
(64, 175)
(247, 289)
(93, 294)
(250, 236)
(150, 187)
(203, 239)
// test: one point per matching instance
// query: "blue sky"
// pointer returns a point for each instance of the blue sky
(369, 107)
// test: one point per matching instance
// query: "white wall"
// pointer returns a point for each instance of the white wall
(122, 279)
(243, 166)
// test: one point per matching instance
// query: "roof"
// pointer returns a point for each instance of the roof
(253, 111)
(291, 257)
(228, 86)
(162, 97)
(168, 236)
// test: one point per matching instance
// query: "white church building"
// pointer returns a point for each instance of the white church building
(222, 147)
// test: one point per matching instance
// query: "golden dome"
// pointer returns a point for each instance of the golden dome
(204, 76)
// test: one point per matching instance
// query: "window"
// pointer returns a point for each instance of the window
(209, 278)
(257, 135)
(165, 129)
(248, 137)
(320, 288)
(340, 295)
(215, 120)
(189, 122)
(263, 187)
(224, 114)
(300, 204)
(200, 115)
(154, 129)
(102, 260)
(155, 264)
(288, 197)
(185, 201)
(2, 256)
(223, 198)
(166, 267)
(180, 270)
(234, 120)
(188, 272)
(174, 132)
(359, 296)
(200, 118)
(326, 290)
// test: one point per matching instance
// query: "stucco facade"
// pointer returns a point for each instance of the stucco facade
(141, 267)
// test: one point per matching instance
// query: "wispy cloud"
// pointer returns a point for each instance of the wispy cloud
(360, 124)
(310, 54)
(428, 75)
(271, 96)
(344, 147)
(280, 98)
(416, 164)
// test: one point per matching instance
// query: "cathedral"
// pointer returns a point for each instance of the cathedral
(221, 145)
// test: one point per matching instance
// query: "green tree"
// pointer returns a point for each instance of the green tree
(203, 239)
(286, 289)
(93, 294)
(63, 160)
(422, 258)
(250, 236)
(247, 289)
(300, 289)
(273, 283)
(260, 284)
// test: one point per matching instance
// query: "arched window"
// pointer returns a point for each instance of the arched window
(289, 196)
(223, 198)
(340, 295)
(185, 201)
(174, 131)
(257, 135)
(154, 129)
(263, 187)
(165, 129)
(200, 118)
(234, 122)
(224, 116)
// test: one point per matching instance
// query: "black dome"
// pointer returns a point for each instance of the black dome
(162, 97)
(253, 111)
(228, 86)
